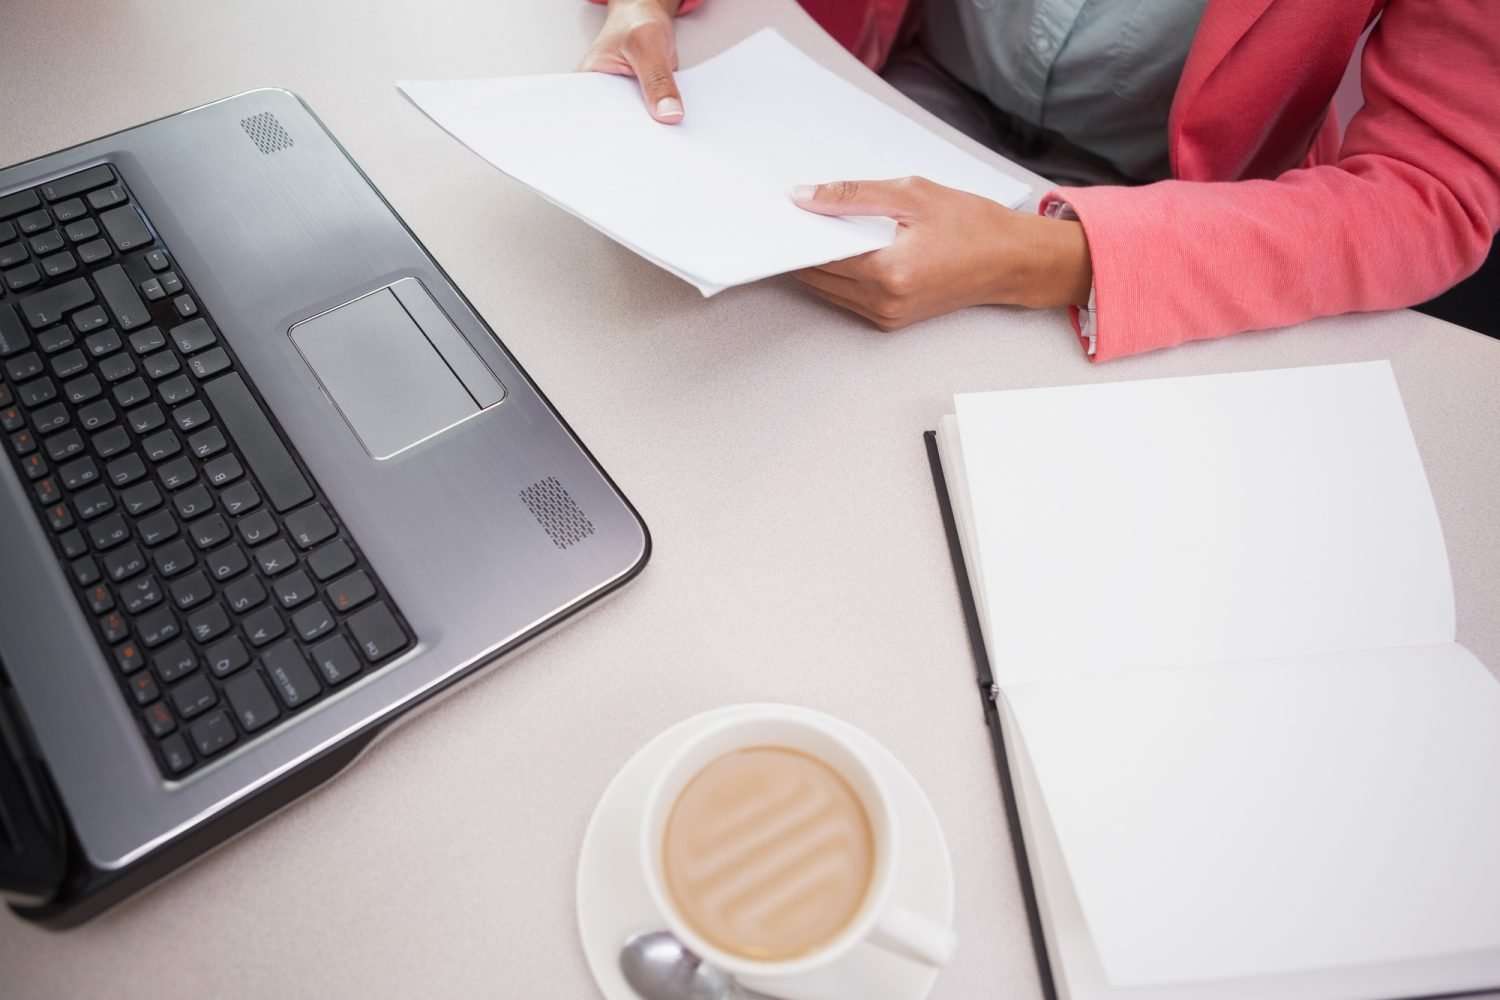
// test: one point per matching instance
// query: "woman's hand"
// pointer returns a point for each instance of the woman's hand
(638, 39)
(952, 249)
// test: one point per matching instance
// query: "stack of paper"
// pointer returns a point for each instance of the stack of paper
(708, 199)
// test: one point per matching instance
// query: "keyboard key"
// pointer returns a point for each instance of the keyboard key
(143, 688)
(102, 343)
(161, 364)
(126, 229)
(275, 557)
(23, 277)
(263, 626)
(175, 390)
(78, 473)
(140, 594)
(193, 335)
(85, 571)
(376, 632)
(290, 676)
(13, 336)
(335, 660)
(310, 525)
(21, 201)
(173, 558)
(109, 532)
(22, 443)
(76, 184)
(11, 419)
(159, 720)
(34, 222)
(94, 251)
(101, 200)
(46, 243)
(82, 389)
(80, 230)
(209, 363)
(145, 419)
(157, 260)
(140, 498)
(26, 366)
(53, 340)
(119, 291)
(193, 502)
(240, 498)
(118, 367)
(114, 628)
(208, 623)
(174, 750)
(312, 621)
(349, 592)
(49, 306)
(90, 319)
(224, 658)
(207, 443)
(162, 446)
(12, 254)
(156, 627)
(33, 466)
(64, 445)
(125, 470)
(58, 264)
(7, 231)
(132, 392)
(60, 517)
(209, 531)
(258, 443)
(250, 701)
(170, 283)
(37, 391)
(223, 470)
(258, 527)
(96, 415)
(185, 306)
(177, 473)
(294, 589)
(245, 593)
(46, 490)
(100, 599)
(193, 697)
(93, 502)
(147, 340)
(110, 442)
(50, 418)
(213, 733)
(175, 662)
(151, 289)
(191, 590)
(157, 528)
(226, 562)
(70, 364)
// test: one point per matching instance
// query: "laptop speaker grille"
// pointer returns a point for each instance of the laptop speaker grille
(266, 132)
(557, 513)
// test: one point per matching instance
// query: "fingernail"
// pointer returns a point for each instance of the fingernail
(669, 107)
(804, 192)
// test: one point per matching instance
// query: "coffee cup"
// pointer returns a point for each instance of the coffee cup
(770, 846)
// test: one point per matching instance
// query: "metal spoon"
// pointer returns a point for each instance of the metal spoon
(659, 967)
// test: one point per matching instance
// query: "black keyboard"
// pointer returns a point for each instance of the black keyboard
(222, 585)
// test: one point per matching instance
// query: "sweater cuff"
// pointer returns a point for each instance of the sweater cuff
(1085, 318)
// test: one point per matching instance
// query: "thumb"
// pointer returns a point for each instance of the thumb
(651, 60)
(894, 199)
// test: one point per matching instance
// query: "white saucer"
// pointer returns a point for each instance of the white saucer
(613, 902)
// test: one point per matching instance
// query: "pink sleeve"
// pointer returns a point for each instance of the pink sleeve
(1409, 208)
(686, 6)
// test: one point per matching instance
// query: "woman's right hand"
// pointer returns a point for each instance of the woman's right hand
(638, 39)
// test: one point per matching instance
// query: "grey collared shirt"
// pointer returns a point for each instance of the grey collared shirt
(1101, 73)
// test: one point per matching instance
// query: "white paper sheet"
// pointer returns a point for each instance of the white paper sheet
(1253, 819)
(707, 199)
(1201, 520)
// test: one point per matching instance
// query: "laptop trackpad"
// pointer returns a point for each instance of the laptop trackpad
(396, 367)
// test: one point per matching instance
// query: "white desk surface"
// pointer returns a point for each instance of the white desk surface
(773, 445)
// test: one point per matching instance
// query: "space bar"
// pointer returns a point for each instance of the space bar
(258, 443)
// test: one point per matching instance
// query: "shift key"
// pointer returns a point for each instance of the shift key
(122, 298)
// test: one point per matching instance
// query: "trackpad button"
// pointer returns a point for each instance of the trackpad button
(384, 372)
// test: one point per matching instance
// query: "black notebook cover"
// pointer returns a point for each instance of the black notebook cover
(992, 716)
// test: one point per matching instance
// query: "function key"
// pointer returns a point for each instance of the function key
(213, 733)
(157, 260)
(85, 572)
(159, 720)
(250, 701)
(349, 592)
(75, 184)
(73, 544)
(46, 490)
(7, 231)
(310, 525)
(376, 632)
(128, 657)
(11, 419)
(23, 443)
(101, 200)
(114, 629)
(33, 466)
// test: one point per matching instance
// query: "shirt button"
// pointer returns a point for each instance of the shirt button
(1043, 44)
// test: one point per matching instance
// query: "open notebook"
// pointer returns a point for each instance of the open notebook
(1244, 754)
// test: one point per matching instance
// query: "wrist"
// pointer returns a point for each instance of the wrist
(1050, 264)
(667, 7)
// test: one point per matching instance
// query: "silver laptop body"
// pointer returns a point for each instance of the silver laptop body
(485, 519)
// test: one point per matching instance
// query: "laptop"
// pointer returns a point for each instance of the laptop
(269, 485)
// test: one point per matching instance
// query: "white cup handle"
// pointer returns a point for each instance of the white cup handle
(911, 935)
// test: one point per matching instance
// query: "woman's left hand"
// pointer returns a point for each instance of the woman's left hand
(952, 250)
